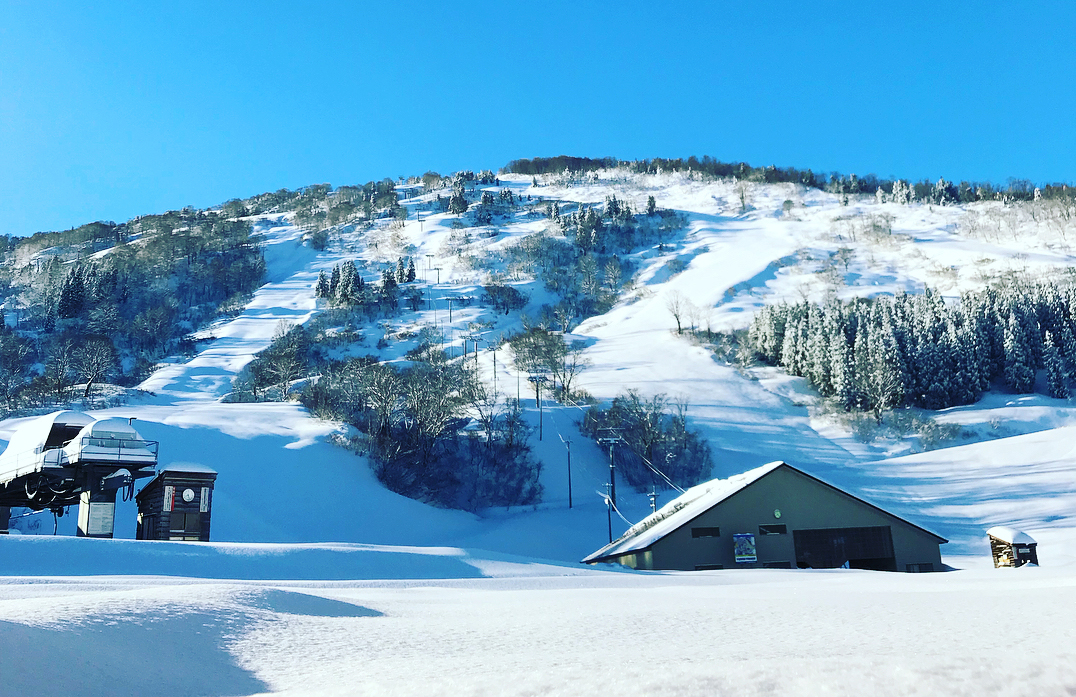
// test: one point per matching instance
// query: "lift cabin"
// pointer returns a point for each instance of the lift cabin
(68, 458)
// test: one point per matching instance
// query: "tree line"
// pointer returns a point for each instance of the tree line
(918, 350)
(940, 192)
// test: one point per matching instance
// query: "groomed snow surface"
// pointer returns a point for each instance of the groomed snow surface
(323, 582)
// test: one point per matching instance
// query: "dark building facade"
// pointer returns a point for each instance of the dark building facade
(177, 504)
(775, 516)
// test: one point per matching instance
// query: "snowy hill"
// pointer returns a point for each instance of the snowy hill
(1009, 460)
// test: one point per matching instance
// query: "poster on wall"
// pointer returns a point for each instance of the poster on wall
(743, 545)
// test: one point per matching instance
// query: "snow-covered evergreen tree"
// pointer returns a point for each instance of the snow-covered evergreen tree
(1056, 375)
(72, 294)
(334, 280)
(1019, 370)
(842, 371)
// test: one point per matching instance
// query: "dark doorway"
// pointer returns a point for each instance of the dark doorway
(858, 548)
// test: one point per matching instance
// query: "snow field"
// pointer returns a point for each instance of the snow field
(330, 584)
(756, 632)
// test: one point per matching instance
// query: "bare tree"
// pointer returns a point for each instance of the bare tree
(285, 360)
(382, 386)
(677, 304)
(573, 363)
(59, 367)
(13, 369)
(94, 359)
(741, 193)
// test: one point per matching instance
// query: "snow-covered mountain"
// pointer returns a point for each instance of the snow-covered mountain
(450, 601)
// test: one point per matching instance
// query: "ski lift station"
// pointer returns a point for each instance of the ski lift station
(774, 516)
(68, 457)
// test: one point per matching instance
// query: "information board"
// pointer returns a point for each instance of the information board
(743, 545)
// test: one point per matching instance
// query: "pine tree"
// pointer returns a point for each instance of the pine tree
(651, 205)
(842, 371)
(817, 368)
(48, 322)
(887, 382)
(390, 291)
(1019, 373)
(410, 270)
(457, 203)
(401, 271)
(72, 294)
(1056, 377)
(321, 289)
(861, 365)
(334, 280)
(349, 289)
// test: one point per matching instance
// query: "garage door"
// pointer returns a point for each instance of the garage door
(858, 548)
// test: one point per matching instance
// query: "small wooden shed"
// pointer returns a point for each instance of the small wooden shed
(177, 504)
(1011, 547)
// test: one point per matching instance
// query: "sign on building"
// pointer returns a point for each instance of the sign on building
(743, 545)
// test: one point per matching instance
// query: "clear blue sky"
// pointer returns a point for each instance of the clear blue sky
(112, 111)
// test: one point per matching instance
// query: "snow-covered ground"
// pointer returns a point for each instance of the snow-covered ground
(326, 583)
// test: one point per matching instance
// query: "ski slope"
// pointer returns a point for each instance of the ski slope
(323, 582)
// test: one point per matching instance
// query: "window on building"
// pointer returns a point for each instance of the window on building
(921, 568)
(772, 530)
(776, 565)
(185, 526)
(706, 532)
(709, 567)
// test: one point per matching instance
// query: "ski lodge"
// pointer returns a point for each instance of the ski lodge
(777, 517)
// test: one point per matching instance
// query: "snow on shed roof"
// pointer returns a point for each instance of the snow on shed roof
(1010, 535)
(683, 508)
(188, 467)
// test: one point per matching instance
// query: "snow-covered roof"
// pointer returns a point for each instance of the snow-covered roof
(1010, 535)
(188, 467)
(32, 435)
(699, 499)
(114, 427)
(693, 502)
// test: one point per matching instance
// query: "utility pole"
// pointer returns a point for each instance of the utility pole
(653, 499)
(609, 511)
(611, 442)
(493, 348)
(538, 380)
(568, 444)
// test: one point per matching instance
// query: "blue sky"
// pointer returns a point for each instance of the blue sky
(132, 108)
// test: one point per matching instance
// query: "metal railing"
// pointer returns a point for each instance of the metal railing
(119, 447)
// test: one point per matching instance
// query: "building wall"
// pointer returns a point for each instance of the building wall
(804, 504)
(151, 504)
